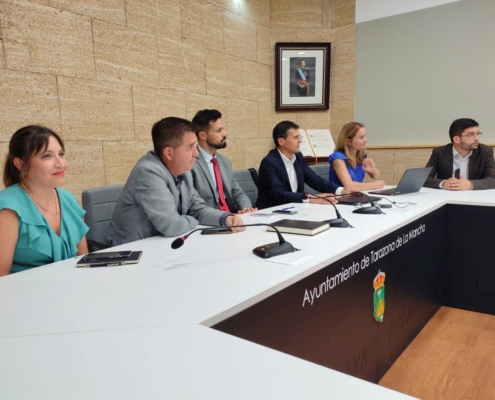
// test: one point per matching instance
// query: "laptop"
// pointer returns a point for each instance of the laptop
(411, 182)
(356, 198)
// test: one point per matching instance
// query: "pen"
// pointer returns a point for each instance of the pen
(287, 208)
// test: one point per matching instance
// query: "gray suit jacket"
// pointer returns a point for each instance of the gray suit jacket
(204, 184)
(481, 167)
(148, 203)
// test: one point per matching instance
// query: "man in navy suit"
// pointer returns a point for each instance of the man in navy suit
(283, 172)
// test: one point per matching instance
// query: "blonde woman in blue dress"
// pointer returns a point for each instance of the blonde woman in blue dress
(41, 223)
(349, 162)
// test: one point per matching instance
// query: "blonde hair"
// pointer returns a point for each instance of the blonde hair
(348, 131)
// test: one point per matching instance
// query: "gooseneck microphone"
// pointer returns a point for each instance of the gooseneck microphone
(373, 209)
(264, 251)
(338, 222)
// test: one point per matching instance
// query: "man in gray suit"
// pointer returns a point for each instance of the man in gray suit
(212, 167)
(159, 197)
(465, 154)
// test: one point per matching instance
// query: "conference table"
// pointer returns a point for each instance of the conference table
(212, 320)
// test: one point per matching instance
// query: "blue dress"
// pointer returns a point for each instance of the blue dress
(357, 174)
(37, 243)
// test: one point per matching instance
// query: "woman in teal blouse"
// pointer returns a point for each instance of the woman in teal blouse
(41, 223)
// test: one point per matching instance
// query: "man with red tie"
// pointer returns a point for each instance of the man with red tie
(212, 172)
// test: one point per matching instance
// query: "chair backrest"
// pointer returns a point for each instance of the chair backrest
(247, 184)
(320, 169)
(99, 204)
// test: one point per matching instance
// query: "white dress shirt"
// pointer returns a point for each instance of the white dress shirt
(291, 172)
(459, 162)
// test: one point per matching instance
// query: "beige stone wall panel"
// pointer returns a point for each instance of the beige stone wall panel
(327, 14)
(256, 150)
(314, 35)
(223, 75)
(239, 35)
(2, 54)
(95, 110)
(86, 167)
(157, 17)
(296, 14)
(152, 104)
(202, 24)
(117, 167)
(342, 79)
(344, 44)
(235, 152)
(196, 102)
(409, 158)
(263, 44)
(313, 119)
(256, 81)
(265, 123)
(27, 98)
(344, 52)
(343, 33)
(64, 46)
(124, 55)
(255, 10)
(384, 161)
(169, 19)
(341, 113)
(181, 67)
(242, 119)
(343, 12)
(107, 10)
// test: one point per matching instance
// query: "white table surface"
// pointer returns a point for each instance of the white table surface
(171, 293)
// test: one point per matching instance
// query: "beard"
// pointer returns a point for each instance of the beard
(217, 146)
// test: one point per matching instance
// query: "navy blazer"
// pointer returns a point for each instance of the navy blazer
(274, 185)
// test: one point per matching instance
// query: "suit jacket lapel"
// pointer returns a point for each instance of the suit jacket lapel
(204, 167)
(474, 162)
(223, 172)
(283, 168)
(448, 162)
(300, 174)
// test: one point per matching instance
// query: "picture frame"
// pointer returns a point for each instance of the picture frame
(302, 76)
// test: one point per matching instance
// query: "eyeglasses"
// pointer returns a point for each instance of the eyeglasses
(472, 135)
(298, 137)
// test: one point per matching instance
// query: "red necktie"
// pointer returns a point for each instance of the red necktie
(222, 204)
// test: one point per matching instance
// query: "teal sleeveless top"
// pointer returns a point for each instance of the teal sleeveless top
(37, 243)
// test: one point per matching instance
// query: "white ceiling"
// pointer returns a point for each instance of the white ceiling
(367, 10)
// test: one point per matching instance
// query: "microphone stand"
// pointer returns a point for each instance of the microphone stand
(373, 209)
(263, 251)
(338, 222)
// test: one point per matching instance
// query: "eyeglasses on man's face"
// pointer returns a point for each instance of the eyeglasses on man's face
(472, 135)
(297, 138)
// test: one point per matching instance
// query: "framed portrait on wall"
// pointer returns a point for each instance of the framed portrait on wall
(302, 76)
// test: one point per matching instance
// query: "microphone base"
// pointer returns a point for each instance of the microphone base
(368, 210)
(273, 249)
(338, 223)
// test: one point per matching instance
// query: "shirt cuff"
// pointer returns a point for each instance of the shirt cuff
(441, 184)
(223, 219)
(338, 192)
